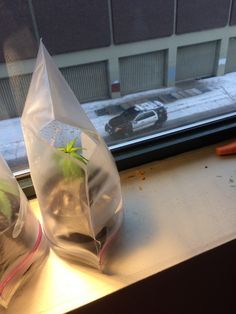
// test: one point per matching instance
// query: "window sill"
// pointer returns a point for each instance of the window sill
(175, 209)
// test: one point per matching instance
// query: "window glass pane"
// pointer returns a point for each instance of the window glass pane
(140, 69)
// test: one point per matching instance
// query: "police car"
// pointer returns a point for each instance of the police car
(136, 118)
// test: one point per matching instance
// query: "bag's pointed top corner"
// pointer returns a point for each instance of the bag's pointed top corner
(41, 46)
(43, 50)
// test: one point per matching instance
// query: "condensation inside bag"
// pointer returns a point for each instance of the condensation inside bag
(22, 244)
(80, 201)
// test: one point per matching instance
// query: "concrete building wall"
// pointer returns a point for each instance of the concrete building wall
(231, 56)
(111, 32)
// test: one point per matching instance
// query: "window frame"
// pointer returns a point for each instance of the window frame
(202, 283)
(147, 149)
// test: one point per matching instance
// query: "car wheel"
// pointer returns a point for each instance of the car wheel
(164, 117)
(161, 119)
(128, 131)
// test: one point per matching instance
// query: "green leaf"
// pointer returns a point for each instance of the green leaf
(71, 144)
(9, 188)
(75, 149)
(5, 206)
(79, 157)
(69, 168)
(62, 149)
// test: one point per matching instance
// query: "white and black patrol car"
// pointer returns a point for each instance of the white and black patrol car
(138, 117)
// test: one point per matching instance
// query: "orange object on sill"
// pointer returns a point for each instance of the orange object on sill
(228, 149)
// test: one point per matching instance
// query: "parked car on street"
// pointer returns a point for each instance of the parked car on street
(136, 118)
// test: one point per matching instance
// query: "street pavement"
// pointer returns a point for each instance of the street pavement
(200, 100)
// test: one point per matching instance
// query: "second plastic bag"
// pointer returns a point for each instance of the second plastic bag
(22, 244)
(74, 175)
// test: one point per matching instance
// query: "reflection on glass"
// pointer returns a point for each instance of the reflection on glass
(138, 72)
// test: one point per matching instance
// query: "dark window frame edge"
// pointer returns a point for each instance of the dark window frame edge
(201, 284)
(157, 148)
(175, 143)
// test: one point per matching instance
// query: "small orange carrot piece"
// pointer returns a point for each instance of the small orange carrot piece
(227, 149)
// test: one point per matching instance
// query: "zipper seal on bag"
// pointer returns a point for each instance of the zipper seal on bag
(23, 263)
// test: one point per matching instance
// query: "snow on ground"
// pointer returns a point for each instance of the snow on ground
(221, 93)
(210, 100)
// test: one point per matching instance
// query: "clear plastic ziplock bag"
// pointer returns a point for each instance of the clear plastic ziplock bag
(73, 172)
(22, 244)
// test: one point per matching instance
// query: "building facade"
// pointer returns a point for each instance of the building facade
(111, 48)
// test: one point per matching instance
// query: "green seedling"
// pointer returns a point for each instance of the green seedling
(5, 205)
(73, 151)
(69, 168)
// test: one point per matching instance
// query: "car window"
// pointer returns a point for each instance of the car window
(139, 117)
(129, 113)
(149, 114)
(145, 115)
